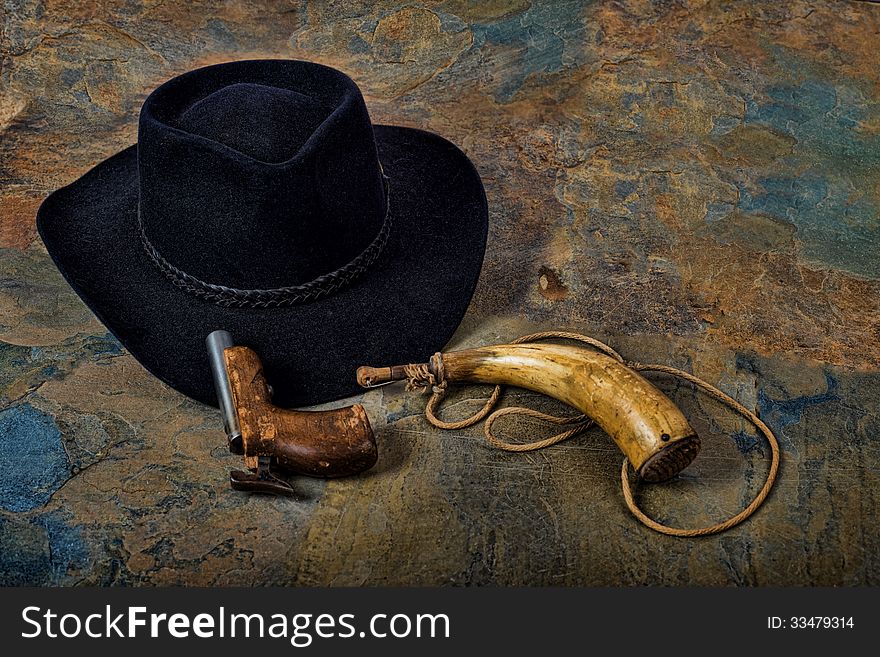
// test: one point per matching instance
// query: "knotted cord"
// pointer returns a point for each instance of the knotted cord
(420, 377)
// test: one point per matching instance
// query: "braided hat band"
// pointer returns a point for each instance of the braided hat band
(277, 297)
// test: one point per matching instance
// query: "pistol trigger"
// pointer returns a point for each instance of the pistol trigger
(261, 481)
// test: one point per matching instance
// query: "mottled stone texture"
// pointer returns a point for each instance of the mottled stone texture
(696, 182)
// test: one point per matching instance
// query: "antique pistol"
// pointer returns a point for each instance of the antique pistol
(333, 443)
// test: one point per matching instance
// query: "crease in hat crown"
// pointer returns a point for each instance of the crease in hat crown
(213, 208)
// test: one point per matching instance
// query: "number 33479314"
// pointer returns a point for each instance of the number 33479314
(811, 622)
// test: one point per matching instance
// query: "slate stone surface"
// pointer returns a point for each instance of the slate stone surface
(698, 183)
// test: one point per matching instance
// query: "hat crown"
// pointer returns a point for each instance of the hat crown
(246, 116)
(259, 174)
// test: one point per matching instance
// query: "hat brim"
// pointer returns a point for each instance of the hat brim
(403, 309)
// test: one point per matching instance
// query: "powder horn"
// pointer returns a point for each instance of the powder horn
(649, 429)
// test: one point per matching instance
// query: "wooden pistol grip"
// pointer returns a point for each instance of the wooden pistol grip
(332, 443)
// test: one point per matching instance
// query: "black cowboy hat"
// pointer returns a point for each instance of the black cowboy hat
(260, 199)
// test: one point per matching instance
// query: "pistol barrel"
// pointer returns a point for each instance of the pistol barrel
(217, 342)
